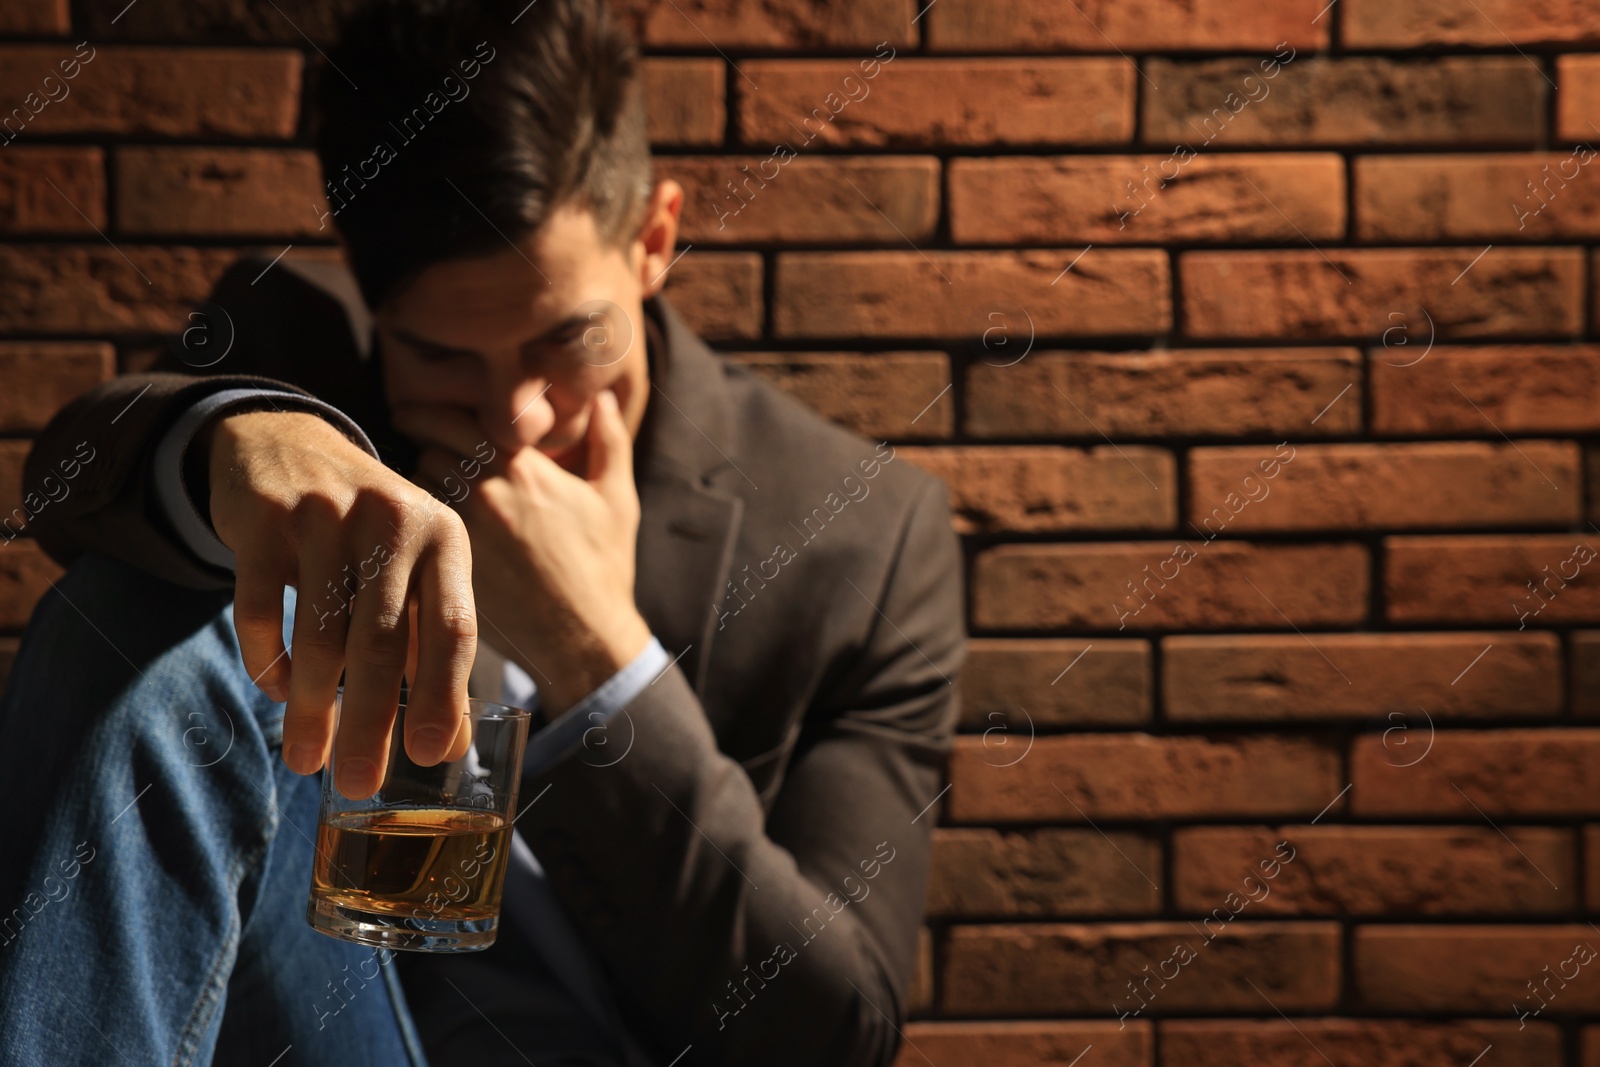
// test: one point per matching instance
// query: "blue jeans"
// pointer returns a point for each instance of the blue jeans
(155, 852)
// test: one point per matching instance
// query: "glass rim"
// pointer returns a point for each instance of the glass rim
(502, 711)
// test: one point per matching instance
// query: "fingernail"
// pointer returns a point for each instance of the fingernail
(276, 693)
(303, 759)
(354, 774)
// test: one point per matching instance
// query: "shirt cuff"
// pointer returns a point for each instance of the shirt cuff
(193, 528)
(550, 744)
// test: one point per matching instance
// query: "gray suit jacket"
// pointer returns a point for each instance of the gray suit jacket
(751, 873)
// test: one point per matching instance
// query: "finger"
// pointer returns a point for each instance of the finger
(463, 741)
(447, 643)
(258, 620)
(610, 450)
(321, 621)
(376, 645)
(411, 643)
(463, 738)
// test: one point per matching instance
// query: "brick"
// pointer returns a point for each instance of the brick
(1026, 1044)
(1127, 25)
(1370, 1042)
(835, 200)
(1041, 874)
(1056, 683)
(685, 99)
(1591, 477)
(1093, 586)
(1086, 101)
(1351, 293)
(1048, 489)
(1387, 486)
(12, 453)
(1591, 867)
(1472, 968)
(1473, 101)
(158, 92)
(887, 395)
(919, 1000)
(25, 574)
(1484, 390)
(225, 191)
(1130, 199)
(1583, 659)
(1579, 99)
(940, 294)
(1140, 776)
(1387, 678)
(1375, 870)
(215, 21)
(1528, 580)
(1192, 393)
(1057, 969)
(42, 376)
(718, 293)
(1466, 197)
(697, 24)
(1486, 23)
(41, 18)
(29, 204)
(1470, 774)
(80, 289)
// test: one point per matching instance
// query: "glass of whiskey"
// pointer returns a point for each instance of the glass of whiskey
(421, 864)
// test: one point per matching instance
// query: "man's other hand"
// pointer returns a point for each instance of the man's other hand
(553, 550)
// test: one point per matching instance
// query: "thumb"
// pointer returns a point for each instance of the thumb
(610, 468)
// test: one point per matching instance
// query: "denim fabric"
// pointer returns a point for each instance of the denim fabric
(155, 851)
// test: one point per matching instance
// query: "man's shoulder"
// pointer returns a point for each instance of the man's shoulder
(794, 461)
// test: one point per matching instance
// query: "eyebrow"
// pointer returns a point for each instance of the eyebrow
(571, 322)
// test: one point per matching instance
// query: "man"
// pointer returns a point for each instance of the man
(743, 625)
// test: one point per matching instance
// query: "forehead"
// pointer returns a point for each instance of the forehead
(512, 292)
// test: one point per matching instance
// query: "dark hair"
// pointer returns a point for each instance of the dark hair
(448, 127)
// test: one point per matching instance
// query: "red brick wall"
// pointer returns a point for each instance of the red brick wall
(1327, 398)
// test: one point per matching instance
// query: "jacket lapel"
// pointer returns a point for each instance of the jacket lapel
(687, 527)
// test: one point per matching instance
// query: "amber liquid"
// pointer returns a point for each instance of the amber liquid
(426, 864)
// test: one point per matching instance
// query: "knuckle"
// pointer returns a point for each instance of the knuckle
(381, 509)
(459, 623)
(448, 526)
(312, 513)
(383, 648)
(322, 642)
(524, 470)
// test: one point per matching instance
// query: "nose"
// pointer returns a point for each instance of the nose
(517, 413)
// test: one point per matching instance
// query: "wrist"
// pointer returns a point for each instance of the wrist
(587, 665)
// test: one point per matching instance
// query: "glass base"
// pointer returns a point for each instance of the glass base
(414, 935)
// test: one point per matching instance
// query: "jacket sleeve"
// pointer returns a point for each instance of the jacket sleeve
(110, 505)
(107, 438)
(787, 938)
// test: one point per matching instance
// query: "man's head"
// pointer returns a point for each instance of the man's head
(489, 173)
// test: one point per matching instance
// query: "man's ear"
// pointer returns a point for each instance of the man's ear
(658, 236)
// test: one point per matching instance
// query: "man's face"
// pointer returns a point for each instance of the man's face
(523, 339)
